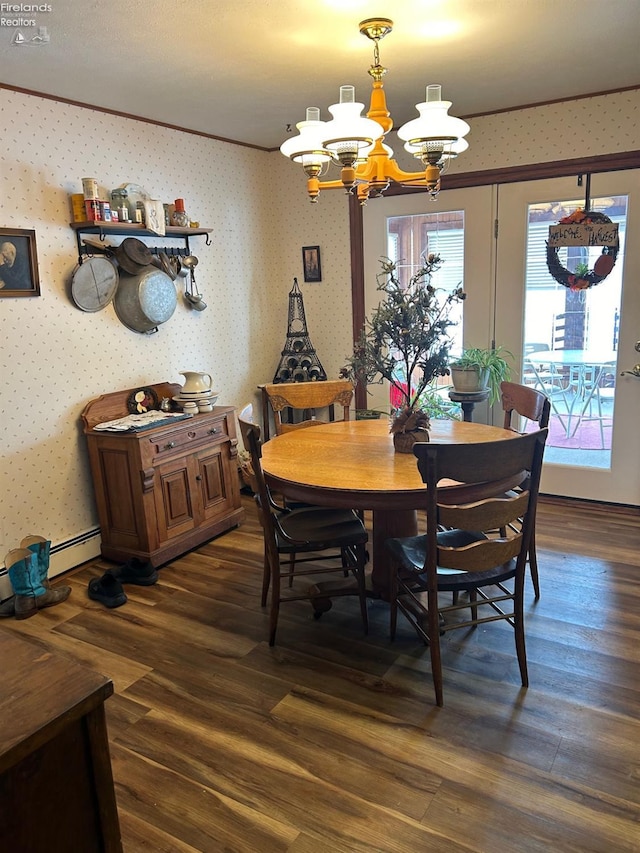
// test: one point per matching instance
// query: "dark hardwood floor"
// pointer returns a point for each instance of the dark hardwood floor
(331, 742)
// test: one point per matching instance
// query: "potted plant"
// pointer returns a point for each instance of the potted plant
(406, 341)
(481, 370)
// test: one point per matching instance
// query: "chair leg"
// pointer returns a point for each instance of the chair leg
(345, 563)
(393, 604)
(521, 650)
(362, 591)
(473, 598)
(266, 577)
(433, 620)
(275, 604)
(533, 566)
(292, 565)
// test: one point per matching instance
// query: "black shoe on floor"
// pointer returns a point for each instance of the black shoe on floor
(107, 590)
(135, 571)
(8, 607)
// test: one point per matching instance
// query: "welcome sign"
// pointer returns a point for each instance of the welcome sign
(584, 234)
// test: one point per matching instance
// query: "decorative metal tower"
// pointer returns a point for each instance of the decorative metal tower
(299, 362)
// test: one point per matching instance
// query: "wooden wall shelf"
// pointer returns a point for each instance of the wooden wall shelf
(134, 229)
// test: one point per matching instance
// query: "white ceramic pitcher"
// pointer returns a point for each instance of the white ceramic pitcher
(196, 382)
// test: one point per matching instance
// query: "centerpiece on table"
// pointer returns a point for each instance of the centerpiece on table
(406, 342)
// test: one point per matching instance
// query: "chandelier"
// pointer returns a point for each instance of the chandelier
(357, 145)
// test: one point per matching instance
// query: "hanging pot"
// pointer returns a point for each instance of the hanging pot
(144, 301)
(133, 256)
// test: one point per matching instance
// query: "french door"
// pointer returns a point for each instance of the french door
(467, 251)
(593, 450)
(512, 300)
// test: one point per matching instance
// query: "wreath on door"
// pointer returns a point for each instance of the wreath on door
(582, 277)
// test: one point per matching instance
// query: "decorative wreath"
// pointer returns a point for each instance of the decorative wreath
(584, 279)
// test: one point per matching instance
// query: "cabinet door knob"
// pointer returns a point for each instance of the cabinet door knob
(213, 430)
(198, 477)
(170, 445)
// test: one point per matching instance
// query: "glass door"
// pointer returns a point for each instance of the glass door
(458, 226)
(512, 299)
(573, 342)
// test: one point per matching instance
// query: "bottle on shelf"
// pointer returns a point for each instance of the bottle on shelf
(179, 218)
(119, 202)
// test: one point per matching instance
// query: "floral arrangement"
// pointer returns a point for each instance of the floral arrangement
(582, 277)
(407, 340)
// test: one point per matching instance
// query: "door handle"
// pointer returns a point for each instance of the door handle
(635, 371)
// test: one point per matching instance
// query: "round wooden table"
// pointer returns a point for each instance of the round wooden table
(353, 465)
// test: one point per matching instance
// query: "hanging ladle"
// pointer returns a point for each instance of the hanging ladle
(193, 297)
(190, 261)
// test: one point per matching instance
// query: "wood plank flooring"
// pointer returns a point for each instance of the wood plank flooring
(331, 742)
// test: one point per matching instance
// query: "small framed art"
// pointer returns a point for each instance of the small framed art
(311, 263)
(18, 263)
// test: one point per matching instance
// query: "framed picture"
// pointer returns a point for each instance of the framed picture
(18, 263)
(311, 263)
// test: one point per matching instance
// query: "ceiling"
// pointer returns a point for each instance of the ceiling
(244, 69)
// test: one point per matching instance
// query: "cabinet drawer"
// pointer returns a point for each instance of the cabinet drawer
(193, 434)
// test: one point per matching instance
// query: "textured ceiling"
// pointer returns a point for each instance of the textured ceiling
(243, 70)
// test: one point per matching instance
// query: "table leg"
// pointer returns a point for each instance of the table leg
(388, 524)
(587, 395)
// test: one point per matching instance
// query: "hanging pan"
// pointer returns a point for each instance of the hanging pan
(132, 255)
(144, 301)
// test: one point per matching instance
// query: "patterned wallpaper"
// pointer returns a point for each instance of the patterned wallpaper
(55, 358)
(563, 131)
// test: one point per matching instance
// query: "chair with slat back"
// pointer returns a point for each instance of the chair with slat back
(324, 535)
(247, 424)
(569, 329)
(461, 551)
(616, 329)
(307, 398)
(534, 406)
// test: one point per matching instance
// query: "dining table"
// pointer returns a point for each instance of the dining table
(353, 465)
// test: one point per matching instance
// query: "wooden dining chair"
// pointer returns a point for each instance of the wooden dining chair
(307, 398)
(461, 551)
(536, 407)
(247, 424)
(323, 534)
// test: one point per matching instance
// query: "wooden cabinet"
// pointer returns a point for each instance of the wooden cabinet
(56, 784)
(165, 490)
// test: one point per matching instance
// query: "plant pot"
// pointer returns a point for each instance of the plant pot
(367, 415)
(403, 441)
(469, 380)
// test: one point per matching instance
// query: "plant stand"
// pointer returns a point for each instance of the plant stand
(468, 401)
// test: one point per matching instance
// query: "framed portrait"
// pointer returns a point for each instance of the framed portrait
(311, 263)
(18, 263)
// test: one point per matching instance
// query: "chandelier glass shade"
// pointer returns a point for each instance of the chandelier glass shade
(357, 144)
